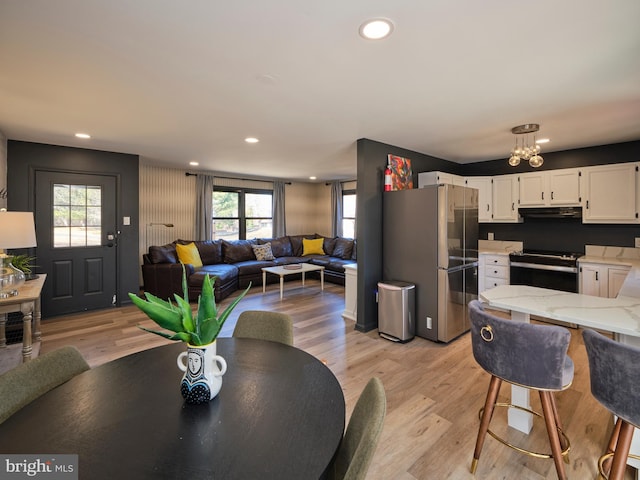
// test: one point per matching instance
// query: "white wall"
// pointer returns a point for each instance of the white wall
(308, 208)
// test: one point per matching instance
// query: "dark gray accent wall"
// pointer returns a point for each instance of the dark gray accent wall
(569, 235)
(371, 162)
(24, 158)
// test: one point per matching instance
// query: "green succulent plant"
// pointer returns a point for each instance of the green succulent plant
(24, 263)
(202, 329)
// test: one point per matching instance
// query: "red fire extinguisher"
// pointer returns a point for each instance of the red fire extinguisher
(387, 178)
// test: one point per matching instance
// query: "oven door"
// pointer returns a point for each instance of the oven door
(544, 276)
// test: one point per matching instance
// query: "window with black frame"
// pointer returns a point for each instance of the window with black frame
(242, 213)
(349, 213)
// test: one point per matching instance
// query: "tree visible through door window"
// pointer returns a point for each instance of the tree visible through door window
(77, 215)
(242, 214)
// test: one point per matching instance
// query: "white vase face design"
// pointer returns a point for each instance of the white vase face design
(203, 372)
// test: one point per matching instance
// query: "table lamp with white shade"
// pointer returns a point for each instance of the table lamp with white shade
(17, 230)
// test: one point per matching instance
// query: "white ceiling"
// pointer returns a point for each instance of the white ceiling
(181, 80)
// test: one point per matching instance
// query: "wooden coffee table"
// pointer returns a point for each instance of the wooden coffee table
(282, 271)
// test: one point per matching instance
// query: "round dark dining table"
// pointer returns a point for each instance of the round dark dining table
(279, 415)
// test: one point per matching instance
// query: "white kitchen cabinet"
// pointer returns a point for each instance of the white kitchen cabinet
(611, 194)
(485, 196)
(505, 199)
(564, 187)
(494, 270)
(616, 277)
(550, 188)
(602, 280)
(437, 178)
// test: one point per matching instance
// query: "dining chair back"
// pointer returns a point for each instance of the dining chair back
(614, 370)
(528, 355)
(265, 325)
(26, 382)
(360, 440)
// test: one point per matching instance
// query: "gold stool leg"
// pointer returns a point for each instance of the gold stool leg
(552, 430)
(489, 405)
(563, 440)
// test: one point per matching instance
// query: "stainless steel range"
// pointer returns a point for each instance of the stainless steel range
(539, 268)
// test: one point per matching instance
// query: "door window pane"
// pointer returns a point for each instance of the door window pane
(77, 215)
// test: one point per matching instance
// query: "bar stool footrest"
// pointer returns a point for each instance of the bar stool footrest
(607, 456)
(564, 452)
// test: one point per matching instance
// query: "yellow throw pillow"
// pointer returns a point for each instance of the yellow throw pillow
(311, 247)
(189, 254)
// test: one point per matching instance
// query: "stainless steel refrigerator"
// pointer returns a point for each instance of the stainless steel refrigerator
(430, 238)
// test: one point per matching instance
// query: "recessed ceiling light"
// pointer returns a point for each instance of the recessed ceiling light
(83, 135)
(251, 140)
(542, 140)
(376, 29)
(312, 178)
(195, 164)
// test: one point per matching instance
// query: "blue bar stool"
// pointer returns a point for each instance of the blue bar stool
(531, 356)
(615, 382)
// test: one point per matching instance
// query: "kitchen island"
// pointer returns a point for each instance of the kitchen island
(620, 316)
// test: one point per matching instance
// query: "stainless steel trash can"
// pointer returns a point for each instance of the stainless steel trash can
(396, 310)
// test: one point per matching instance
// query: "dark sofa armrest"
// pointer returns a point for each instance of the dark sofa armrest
(164, 279)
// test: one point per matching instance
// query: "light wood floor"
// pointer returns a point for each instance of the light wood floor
(434, 391)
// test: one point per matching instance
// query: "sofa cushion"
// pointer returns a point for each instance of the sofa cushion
(253, 267)
(235, 251)
(280, 247)
(312, 247)
(163, 254)
(296, 243)
(328, 245)
(263, 252)
(189, 254)
(223, 274)
(210, 251)
(343, 248)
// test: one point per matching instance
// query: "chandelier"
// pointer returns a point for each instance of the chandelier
(524, 150)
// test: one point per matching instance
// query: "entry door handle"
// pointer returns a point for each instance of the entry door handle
(110, 239)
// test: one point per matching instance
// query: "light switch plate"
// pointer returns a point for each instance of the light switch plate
(126, 220)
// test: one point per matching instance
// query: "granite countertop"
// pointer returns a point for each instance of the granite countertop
(619, 315)
(611, 255)
(498, 246)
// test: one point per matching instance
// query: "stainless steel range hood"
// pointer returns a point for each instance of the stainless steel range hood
(551, 212)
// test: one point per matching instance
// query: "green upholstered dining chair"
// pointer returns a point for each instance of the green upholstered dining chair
(23, 384)
(360, 440)
(265, 325)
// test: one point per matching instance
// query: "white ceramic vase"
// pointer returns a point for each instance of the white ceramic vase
(203, 373)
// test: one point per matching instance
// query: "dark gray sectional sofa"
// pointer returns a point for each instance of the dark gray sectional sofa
(234, 264)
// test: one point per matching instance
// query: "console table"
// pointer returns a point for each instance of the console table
(28, 302)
